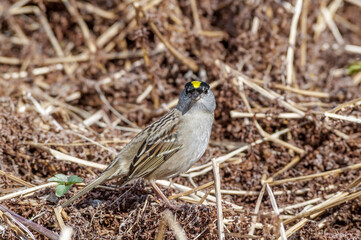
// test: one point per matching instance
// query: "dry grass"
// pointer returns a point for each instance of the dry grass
(89, 77)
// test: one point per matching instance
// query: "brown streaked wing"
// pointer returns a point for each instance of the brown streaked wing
(159, 146)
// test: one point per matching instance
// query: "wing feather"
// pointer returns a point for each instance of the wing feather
(161, 144)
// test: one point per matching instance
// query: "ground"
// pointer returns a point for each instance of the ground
(82, 78)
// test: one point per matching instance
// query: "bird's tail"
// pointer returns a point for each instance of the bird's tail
(105, 176)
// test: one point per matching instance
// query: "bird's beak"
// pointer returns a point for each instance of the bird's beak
(196, 96)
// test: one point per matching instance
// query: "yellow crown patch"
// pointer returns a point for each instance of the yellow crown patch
(196, 84)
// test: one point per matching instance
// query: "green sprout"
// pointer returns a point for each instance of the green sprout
(64, 183)
(354, 68)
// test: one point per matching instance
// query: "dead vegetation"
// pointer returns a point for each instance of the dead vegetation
(78, 79)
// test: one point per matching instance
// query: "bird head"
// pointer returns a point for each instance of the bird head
(196, 95)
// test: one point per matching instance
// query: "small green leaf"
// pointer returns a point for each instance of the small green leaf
(354, 68)
(61, 189)
(59, 178)
(74, 179)
(64, 183)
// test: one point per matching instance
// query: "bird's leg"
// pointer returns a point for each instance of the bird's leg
(161, 194)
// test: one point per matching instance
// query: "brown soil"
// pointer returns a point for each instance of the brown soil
(69, 95)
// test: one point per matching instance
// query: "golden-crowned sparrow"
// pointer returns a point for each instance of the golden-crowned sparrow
(167, 147)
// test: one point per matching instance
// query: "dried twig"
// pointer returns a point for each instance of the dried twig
(303, 49)
(331, 24)
(336, 200)
(66, 233)
(347, 24)
(113, 110)
(92, 141)
(261, 131)
(312, 176)
(16, 179)
(64, 157)
(217, 183)
(256, 210)
(292, 230)
(275, 209)
(277, 140)
(155, 98)
(84, 28)
(44, 112)
(295, 90)
(353, 49)
(36, 227)
(161, 230)
(356, 2)
(345, 118)
(49, 32)
(96, 10)
(10, 60)
(321, 24)
(183, 188)
(265, 92)
(237, 114)
(174, 225)
(186, 61)
(255, 25)
(185, 193)
(27, 191)
(22, 232)
(58, 217)
(305, 203)
(291, 164)
(351, 103)
(110, 33)
(292, 41)
(197, 22)
(17, 5)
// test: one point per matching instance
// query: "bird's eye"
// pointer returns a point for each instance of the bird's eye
(204, 90)
(189, 90)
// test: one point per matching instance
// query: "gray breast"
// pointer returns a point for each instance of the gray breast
(194, 136)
